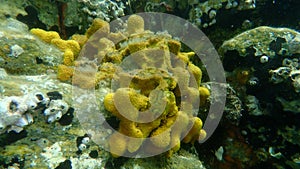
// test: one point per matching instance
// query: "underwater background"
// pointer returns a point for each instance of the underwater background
(43, 61)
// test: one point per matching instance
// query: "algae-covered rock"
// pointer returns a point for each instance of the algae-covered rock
(11, 8)
(24, 54)
(62, 14)
(262, 66)
(264, 55)
(264, 41)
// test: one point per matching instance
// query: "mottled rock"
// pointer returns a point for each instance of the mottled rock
(24, 54)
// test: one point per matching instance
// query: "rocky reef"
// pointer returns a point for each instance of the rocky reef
(46, 103)
(265, 76)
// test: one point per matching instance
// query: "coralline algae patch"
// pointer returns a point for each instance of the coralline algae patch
(151, 79)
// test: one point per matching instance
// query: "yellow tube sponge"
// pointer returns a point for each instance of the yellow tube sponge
(161, 137)
(110, 106)
(64, 73)
(96, 25)
(194, 132)
(147, 128)
(196, 71)
(185, 56)
(174, 46)
(149, 79)
(135, 24)
(157, 88)
(117, 144)
(130, 129)
(134, 144)
(67, 44)
(71, 48)
(46, 36)
(106, 46)
(177, 129)
(204, 95)
(81, 39)
(202, 135)
(129, 102)
(68, 58)
(134, 47)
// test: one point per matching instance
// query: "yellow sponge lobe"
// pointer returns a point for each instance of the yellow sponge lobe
(64, 73)
(118, 144)
(46, 36)
(135, 24)
(194, 133)
(67, 44)
(204, 95)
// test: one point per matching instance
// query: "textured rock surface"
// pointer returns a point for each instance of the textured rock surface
(24, 54)
(61, 14)
(265, 75)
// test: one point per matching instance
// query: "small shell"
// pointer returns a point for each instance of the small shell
(264, 59)
(54, 117)
(85, 140)
(58, 115)
(55, 106)
(2, 125)
(82, 147)
(51, 119)
(29, 118)
(22, 122)
(31, 104)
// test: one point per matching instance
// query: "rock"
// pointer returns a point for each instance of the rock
(24, 54)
